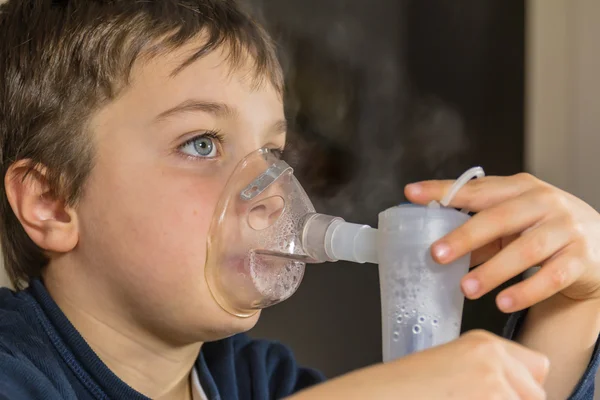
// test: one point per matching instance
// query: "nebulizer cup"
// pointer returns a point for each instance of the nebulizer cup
(421, 300)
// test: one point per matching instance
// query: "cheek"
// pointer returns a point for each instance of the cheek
(153, 227)
(179, 220)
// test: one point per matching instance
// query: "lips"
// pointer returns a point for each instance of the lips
(238, 264)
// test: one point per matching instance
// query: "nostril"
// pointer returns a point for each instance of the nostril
(265, 213)
(274, 215)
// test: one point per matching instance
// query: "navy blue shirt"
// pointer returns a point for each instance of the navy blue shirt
(42, 356)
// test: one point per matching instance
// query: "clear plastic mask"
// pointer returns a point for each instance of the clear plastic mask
(255, 257)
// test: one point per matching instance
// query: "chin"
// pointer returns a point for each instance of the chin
(230, 326)
(242, 324)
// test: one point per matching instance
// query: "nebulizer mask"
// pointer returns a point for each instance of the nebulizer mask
(255, 255)
(265, 230)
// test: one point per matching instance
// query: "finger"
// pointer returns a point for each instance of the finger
(508, 218)
(556, 274)
(522, 381)
(536, 364)
(477, 194)
(488, 251)
(531, 248)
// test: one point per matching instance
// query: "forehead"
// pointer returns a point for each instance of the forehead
(154, 89)
(218, 74)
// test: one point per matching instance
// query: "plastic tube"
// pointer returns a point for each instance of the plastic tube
(475, 172)
(351, 242)
(327, 238)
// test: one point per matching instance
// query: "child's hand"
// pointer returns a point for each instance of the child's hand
(477, 366)
(520, 222)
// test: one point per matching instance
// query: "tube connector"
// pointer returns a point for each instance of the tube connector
(327, 238)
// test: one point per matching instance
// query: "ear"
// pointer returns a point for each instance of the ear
(46, 219)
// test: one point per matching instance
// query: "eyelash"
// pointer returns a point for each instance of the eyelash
(220, 139)
(278, 152)
(217, 136)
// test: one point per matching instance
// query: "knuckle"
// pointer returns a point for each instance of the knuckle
(559, 277)
(553, 197)
(569, 222)
(478, 335)
(575, 227)
(573, 266)
(535, 245)
(487, 348)
(526, 177)
(590, 252)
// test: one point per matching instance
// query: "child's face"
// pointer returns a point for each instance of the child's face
(147, 207)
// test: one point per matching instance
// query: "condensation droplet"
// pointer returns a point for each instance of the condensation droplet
(399, 320)
(396, 336)
(416, 329)
(421, 319)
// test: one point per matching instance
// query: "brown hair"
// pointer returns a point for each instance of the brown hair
(62, 60)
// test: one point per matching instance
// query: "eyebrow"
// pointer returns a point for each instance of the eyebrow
(192, 105)
(218, 109)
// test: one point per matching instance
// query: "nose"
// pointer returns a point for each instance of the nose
(264, 213)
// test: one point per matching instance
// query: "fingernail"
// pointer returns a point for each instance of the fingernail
(471, 287)
(505, 303)
(414, 189)
(441, 251)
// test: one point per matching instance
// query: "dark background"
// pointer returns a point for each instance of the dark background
(382, 93)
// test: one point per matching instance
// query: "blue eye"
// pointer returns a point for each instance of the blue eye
(202, 146)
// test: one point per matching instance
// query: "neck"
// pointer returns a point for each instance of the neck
(151, 366)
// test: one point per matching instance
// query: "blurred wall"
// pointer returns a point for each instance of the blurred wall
(563, 102)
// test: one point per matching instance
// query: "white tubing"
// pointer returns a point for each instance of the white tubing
(351, 242)
(475, 172)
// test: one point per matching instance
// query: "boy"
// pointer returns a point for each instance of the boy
(120, 122)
